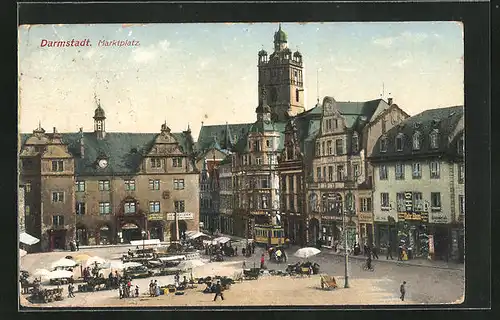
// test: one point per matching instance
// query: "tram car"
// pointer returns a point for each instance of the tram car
(269, 235)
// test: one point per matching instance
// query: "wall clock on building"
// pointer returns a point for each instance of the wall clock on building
(102, 163)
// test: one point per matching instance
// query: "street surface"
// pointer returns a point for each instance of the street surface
(424, 284)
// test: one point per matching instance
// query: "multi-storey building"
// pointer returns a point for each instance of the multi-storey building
(294, 164)
(340, 169)
(108, 187)
(226, 196)
(21, 210)
(419, 184)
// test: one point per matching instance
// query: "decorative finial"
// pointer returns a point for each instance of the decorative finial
(279, 26)
(39, 124)
(189, 128)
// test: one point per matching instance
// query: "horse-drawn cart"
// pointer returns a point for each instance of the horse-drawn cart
(251, 274)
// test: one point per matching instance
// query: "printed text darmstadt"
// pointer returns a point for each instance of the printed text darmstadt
(87, 43)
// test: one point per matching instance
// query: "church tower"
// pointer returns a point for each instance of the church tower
(99, 122)
(281, 76)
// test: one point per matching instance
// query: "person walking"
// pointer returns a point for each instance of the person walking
(218, 291)
(136, 290)
(120, 291)
(77, 244)
(402, 290)
(375, 251)
(389, 251)
(262, 259)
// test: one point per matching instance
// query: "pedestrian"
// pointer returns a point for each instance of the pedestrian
(243, 251)
(375, 252)
(136, 290)
(77, 244)
(69, 290)
(262, 259)
(253, 247)
(244, 265)
(218, 291)
(400, 252)
(389, 251)
(120, 291)
(236, 251)
(151, 285)
(402, 289)
(310, 270)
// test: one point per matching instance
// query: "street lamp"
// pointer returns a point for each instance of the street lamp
(143, 240)
(346, 260)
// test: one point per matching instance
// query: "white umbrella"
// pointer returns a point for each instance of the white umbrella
(22, 253)
(131, 265)
(60, 274)
(306, 252)
(92, 260)
(41, 273)
(63, 263)
(112, 264)
(191, 264)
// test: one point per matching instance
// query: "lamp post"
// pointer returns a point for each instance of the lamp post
(346, 255)
(143, 240)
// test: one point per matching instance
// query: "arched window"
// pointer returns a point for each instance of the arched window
(416, 141)
(383, 144)
(399, 142)
(355, 142)
(434, 139)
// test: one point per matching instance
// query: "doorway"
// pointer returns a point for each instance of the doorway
(58, 240)
(130, 232)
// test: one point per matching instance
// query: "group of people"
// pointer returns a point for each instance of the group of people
(74, 245)
(248, 250)
(154, 288)
(125, 290)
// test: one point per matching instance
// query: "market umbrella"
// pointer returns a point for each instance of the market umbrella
(306, 252)
(60, 274)
(41, 273)
(113, 264)
(22, 253)
(131, 265)
(81, 257)
(191, 264)
(63, 263)
(92, 260)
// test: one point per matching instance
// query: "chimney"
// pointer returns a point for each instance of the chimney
(82, 146)
(55, 131)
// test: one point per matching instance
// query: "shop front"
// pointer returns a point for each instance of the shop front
(331, 227)
(294, 226)
(365, 229)
(156, 226)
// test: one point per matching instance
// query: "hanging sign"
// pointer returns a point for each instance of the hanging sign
(180, 216)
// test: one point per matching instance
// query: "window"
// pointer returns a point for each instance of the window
(383, 144)
(178, 184)
(258, 160)
(340, 173)
(399, 142)
(435, 201)
(355, 143)
(400, 202)
(400, 171)
(339, 146)
(323, 149)
(129, 207)
(318, 173)
(58, 220)
(154, 206)
(355, 170)
(99, 125)
(154, 184)
(80, 208)
(328, 124)
(177, 162)
(317, 150)
(335, 123)
(461, 173)
(179, 206)
(27, 210)
(57, 196)
(297, 99)
(418, 201)
(283, 184)
(289, 153)
(27, 164)
(80, 186)
(434, 166)
(156, 163)
(245, 160)
(324, 173)
(291, 184)
(105, 208)
(264, 182)
(57, 165)
(383, 172)
(461, 203)
(384, 201)
(416, 170)
(329, 147)
(330, 173)
(268, 143)
(416, 141)
(104, 185)
(130, 185)
(434, 139)
(291, 202)
(365, 204)
(264, 203)
(27, 187)
(460, 146)
(384, 126)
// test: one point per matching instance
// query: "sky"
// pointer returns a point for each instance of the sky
(186, 74)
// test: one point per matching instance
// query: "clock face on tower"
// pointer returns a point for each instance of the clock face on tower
(103, 163)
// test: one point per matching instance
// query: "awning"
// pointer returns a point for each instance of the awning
(172, 258)
(222, 240)
(28, 239)
(145, 242)
(197, 235)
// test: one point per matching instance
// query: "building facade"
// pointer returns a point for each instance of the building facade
(21, 210)
(226, 196)
(339, 183)
(106, 187)
(419, 184)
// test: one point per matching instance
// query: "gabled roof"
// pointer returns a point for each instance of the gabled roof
(124, 151)
(445, 120)
(358, 114)
(224, 133)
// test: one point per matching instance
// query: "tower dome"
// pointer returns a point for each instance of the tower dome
(99, 113)
(280, 35)
(262, 53)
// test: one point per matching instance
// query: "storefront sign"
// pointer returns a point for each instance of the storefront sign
(413, 216)
(439, 218)
(331, 218)
(180, 216)
(365, 218)
(431, 244)
(155, 216)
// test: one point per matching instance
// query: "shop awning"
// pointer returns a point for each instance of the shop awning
(197, 235)
(28, 239)
(222, 240)
(145, 242)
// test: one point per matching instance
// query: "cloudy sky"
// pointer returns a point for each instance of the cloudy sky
(189, 73)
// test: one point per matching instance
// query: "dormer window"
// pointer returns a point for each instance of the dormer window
(399, 142)
(460, 146)
(383, 144)
(434, 139)
(416, 141)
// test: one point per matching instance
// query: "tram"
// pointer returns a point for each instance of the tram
(269, 235)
